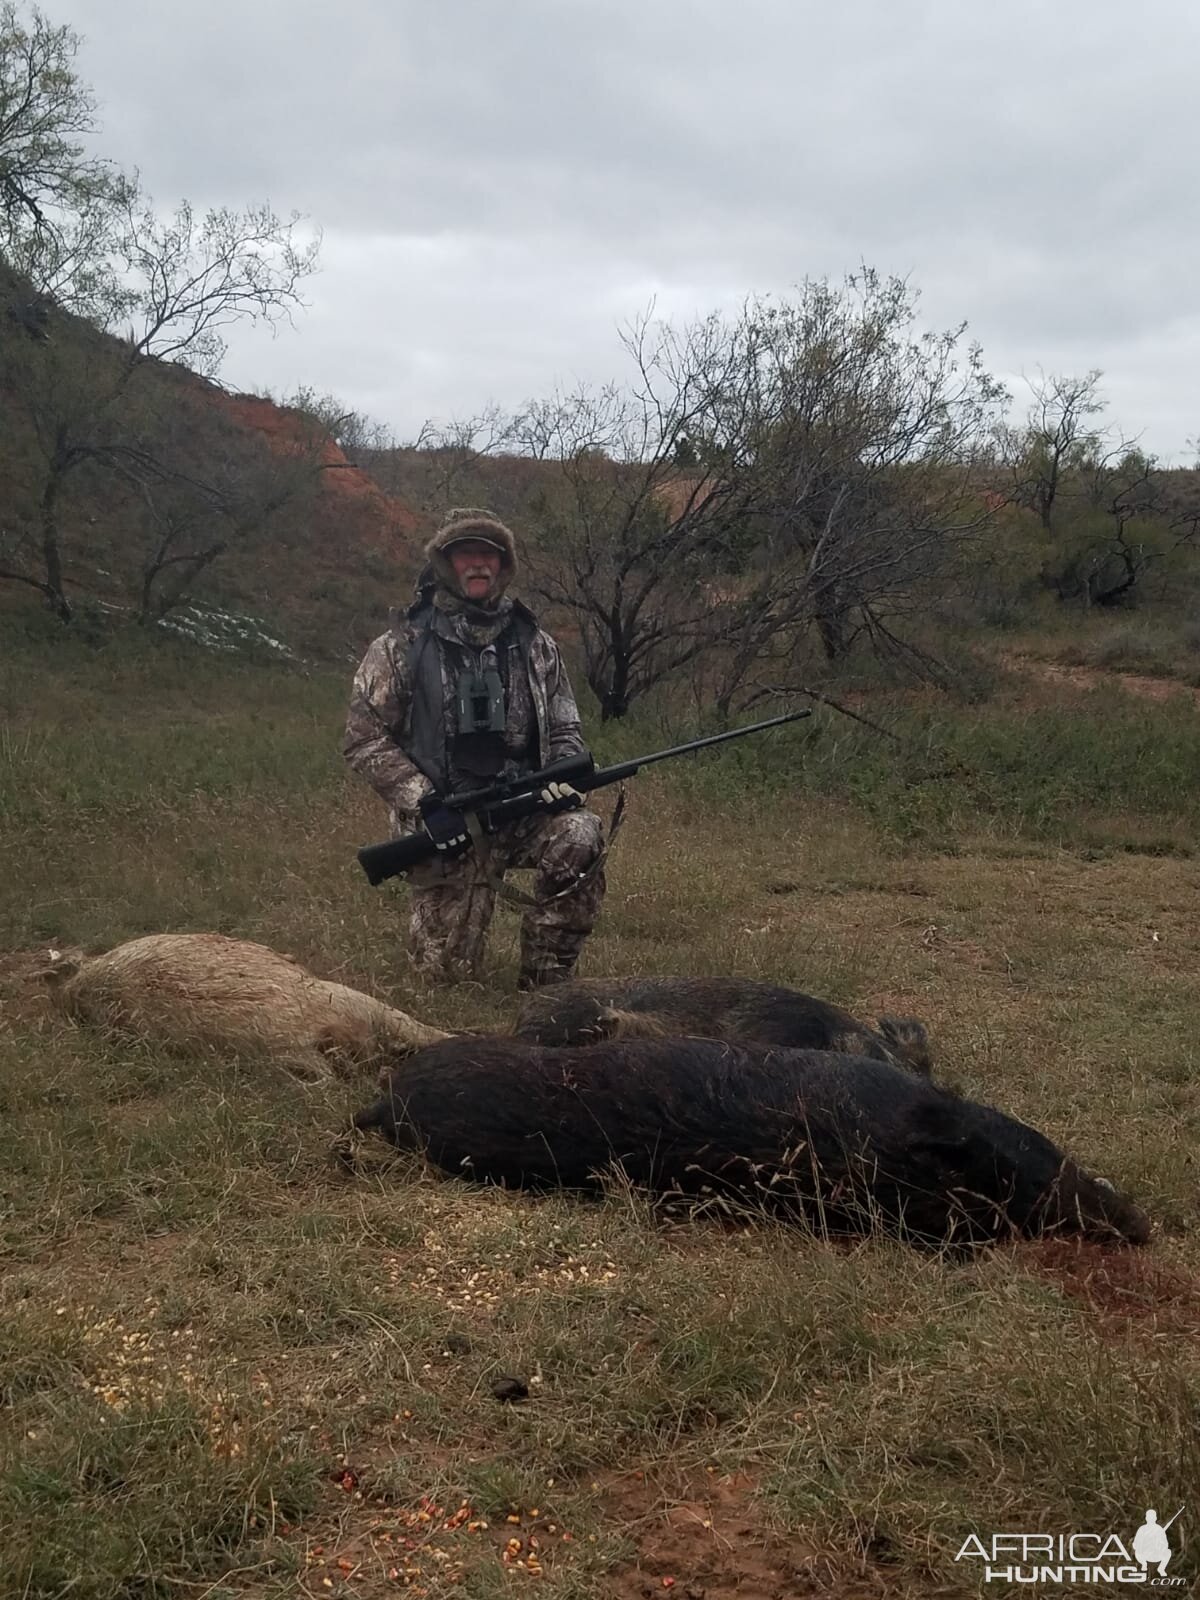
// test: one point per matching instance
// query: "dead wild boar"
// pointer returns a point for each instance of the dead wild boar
(849, 1143)
(738, 1009)
(182, 990)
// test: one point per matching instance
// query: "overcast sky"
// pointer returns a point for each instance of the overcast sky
(502, 183)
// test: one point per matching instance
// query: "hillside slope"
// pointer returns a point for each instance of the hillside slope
(318, 572)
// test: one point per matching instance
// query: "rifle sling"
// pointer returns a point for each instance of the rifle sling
(518, 896)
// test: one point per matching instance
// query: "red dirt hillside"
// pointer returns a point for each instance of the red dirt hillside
(327, 579)
(385, 522)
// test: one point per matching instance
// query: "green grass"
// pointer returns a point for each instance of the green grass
(1015, 770)
(1160, 643)
(224, 1365)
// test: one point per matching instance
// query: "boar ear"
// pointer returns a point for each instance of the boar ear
(904, 1030)
(909, 1038)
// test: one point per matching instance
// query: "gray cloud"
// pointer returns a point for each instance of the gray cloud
(500, 185)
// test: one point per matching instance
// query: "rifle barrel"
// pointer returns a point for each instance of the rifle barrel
(714, 738)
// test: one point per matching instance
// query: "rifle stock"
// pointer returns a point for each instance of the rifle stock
(394, 857)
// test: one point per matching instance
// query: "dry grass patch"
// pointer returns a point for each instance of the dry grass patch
(222, 1284)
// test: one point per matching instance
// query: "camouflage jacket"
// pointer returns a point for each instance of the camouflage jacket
(379, 723)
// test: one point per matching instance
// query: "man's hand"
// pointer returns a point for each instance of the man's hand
(447, 829)
(561, 797)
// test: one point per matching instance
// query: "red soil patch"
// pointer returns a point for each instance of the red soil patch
(1123, 1289)
(699, 1536)
(361, 1543)
(420, 1548)
(702, 1537)
(676, 495)
(387, 519)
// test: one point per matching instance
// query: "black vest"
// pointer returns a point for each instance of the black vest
(435, 656)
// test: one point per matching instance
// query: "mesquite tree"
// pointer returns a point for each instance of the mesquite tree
(77, 240)
(804, 467)
(863, 457)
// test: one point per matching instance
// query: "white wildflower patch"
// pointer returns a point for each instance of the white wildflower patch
(223, 630)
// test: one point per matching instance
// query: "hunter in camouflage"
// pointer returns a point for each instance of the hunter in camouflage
(420, 722)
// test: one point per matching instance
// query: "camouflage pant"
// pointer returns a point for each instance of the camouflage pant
(453, 901)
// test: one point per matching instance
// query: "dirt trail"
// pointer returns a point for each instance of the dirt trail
(1091, 678)
(707, 1539)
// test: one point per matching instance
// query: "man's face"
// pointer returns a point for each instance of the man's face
(476, 566)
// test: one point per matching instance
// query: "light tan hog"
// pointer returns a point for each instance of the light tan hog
(184, 990)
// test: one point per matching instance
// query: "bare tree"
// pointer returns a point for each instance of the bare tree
(470, 460)
(802, 468)
(46, 176)
(191, 277)
(864, 456)
(181, 282)
(199, 488)
(629, 544)
(53, 385)
(1055, 439)
(360, 438)
(75, 236)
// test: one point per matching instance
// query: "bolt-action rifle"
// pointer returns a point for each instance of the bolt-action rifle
(513, 798)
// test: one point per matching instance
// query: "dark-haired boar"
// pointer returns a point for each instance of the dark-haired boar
(587, 1011)
(848, 1142)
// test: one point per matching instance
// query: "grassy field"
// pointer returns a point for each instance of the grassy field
(228, 1369)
